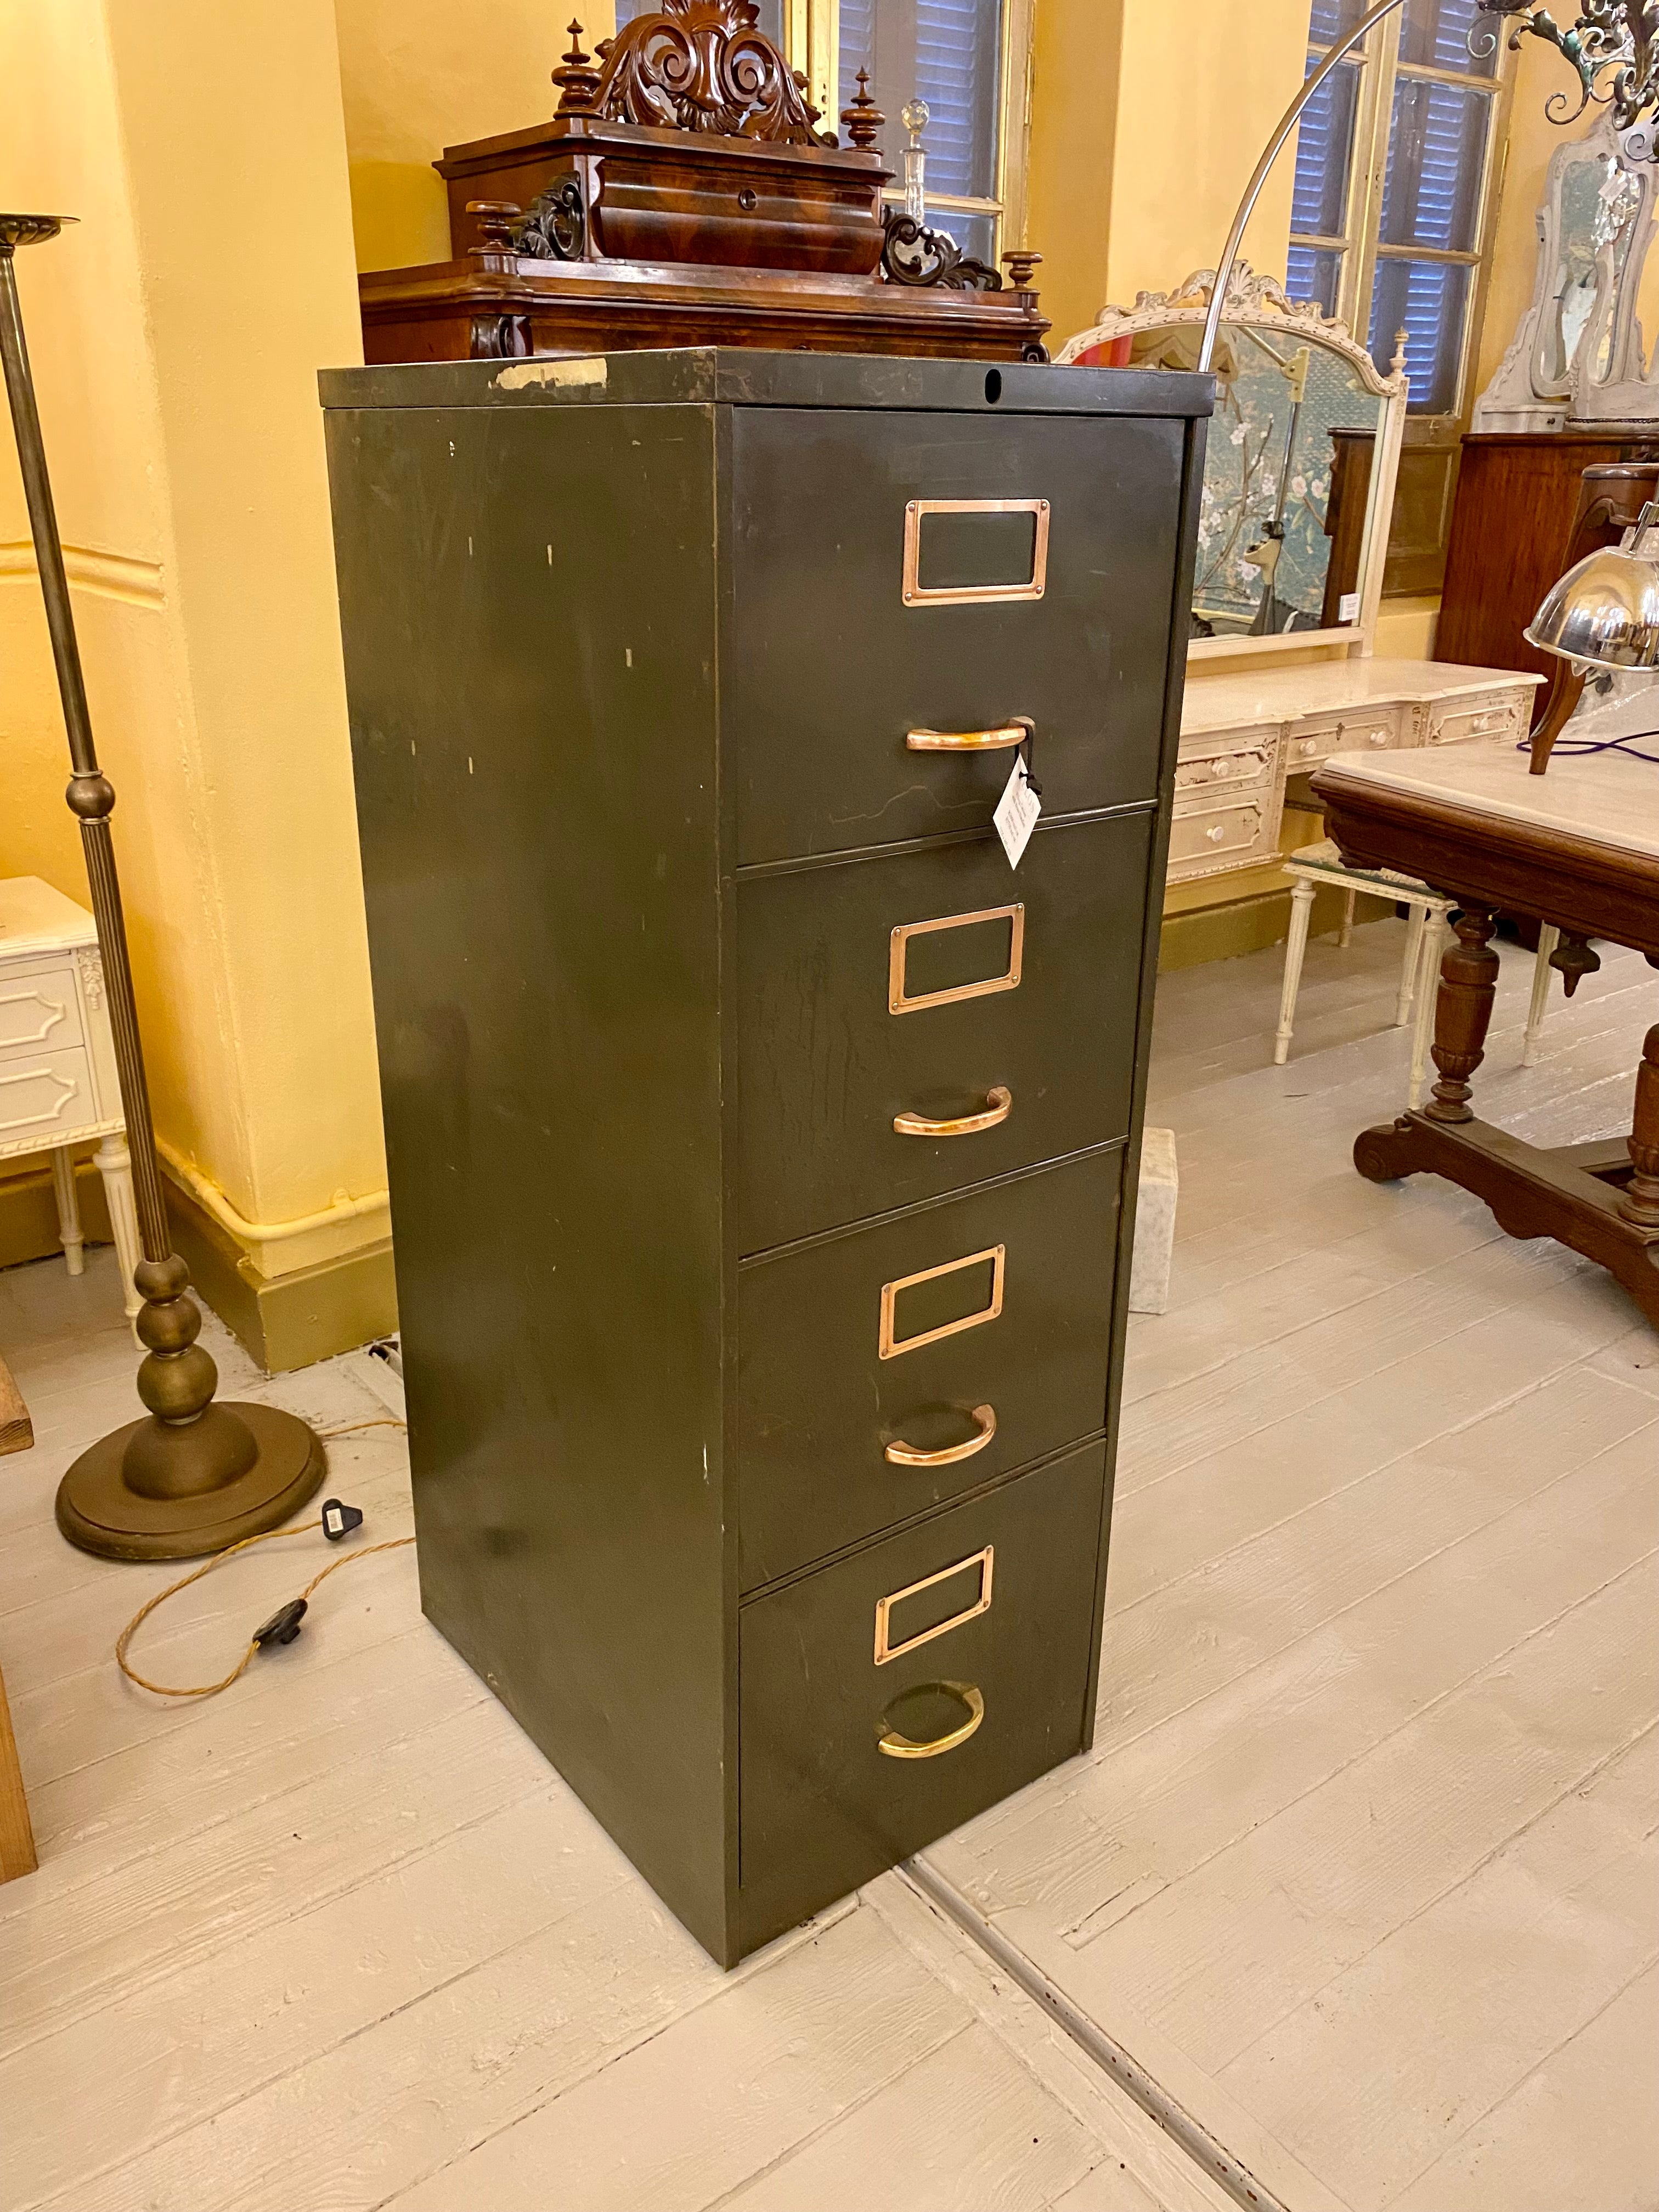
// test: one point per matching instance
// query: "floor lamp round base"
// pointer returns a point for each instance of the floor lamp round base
(98, 1510)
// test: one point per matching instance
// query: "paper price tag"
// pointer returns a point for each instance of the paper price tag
(1016, 812)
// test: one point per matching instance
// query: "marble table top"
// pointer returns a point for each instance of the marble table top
(1227, 702)
(1607, 799)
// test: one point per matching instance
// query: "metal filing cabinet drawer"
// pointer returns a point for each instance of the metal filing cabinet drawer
(668, 928)
(858, 1656)
(949, 1345)
(927, 988)
(822, 708)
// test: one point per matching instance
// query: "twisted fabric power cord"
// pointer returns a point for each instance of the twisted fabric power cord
(336, 1522)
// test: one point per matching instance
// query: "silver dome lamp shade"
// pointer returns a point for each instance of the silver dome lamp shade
(1604, 612)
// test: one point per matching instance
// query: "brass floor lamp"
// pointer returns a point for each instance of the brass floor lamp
(192, 1476)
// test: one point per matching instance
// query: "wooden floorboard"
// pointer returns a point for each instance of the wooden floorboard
(341, 1937)
(1363, 1867)
(1365, 1848)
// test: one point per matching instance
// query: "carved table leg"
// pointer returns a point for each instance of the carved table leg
(1640, 1202)
(1468, 986)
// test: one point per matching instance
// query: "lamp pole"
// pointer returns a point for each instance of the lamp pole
(194, 1475)
(1270, 154)
(1609, 44)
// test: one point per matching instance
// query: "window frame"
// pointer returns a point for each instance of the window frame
(1380, 70)
(812, 44)
(1432, 442)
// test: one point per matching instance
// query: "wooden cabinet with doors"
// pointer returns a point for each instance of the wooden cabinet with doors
(1518, 495)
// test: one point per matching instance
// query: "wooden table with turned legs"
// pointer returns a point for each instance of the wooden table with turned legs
(1577, 850)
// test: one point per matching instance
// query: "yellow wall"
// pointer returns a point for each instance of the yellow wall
(1145, 130)
(176, 334)
(417, 75)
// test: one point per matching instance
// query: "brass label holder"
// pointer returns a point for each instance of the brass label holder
(891, 1346)
(886, 1649)
(898, 999)
(916, 594)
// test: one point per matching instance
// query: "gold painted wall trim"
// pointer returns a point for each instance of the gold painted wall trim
(111, 575)
(209, 1195)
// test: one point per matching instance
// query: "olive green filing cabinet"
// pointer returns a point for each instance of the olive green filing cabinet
(762, 1145)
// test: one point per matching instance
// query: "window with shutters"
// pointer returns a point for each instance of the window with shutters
(1397, 165)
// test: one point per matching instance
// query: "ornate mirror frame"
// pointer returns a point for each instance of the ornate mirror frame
(1262, 302)
(1526, 395)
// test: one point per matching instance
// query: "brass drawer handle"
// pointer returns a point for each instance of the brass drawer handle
(904, 1454)
(998, 1105)
(966, 741)
(892, 1745)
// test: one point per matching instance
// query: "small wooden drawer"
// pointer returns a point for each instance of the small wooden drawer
(975, 1626)
(886, 586)
(40, 1009)
(1308, 743)
(43, 1093)
(988, 1316)
(1498, 717)
(929, 989)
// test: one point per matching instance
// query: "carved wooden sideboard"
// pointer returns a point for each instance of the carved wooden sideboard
(684, 195)
(1241, 736)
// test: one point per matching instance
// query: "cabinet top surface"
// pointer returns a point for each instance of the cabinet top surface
(1287, 695)
(742, 377)
(34, 918)
(1609, 799)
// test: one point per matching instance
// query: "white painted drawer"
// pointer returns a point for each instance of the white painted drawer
(1308, 743)
(1230, 833)
(40, 1009)
(1225, 761)
(1499, 717)
(42, 1094)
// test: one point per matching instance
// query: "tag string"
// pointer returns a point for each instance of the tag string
(124, 1641)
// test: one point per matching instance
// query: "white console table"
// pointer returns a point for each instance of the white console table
(1243, 735)
(59, 1087)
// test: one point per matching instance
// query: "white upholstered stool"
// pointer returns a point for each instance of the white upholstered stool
(1426, 934)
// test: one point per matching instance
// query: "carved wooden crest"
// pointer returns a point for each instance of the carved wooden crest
(702, 65)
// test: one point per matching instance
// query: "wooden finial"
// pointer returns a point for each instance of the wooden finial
(1401, 340)
(496, 221)
(863, 119)
(577, 78)
(1021, 266)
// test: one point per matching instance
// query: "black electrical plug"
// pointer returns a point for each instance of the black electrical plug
(283, 1627)
(339, 1519)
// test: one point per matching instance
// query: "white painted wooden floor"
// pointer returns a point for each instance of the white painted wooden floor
(1365, 1866)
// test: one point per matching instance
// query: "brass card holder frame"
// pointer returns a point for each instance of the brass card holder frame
(885, 1649)
(916, 594)
(898, 1001)
(891, 1346)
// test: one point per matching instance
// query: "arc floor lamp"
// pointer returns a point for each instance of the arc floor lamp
(1613, 47)
(194, 1475)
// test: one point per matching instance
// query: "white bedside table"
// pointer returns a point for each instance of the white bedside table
(57, 1079)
